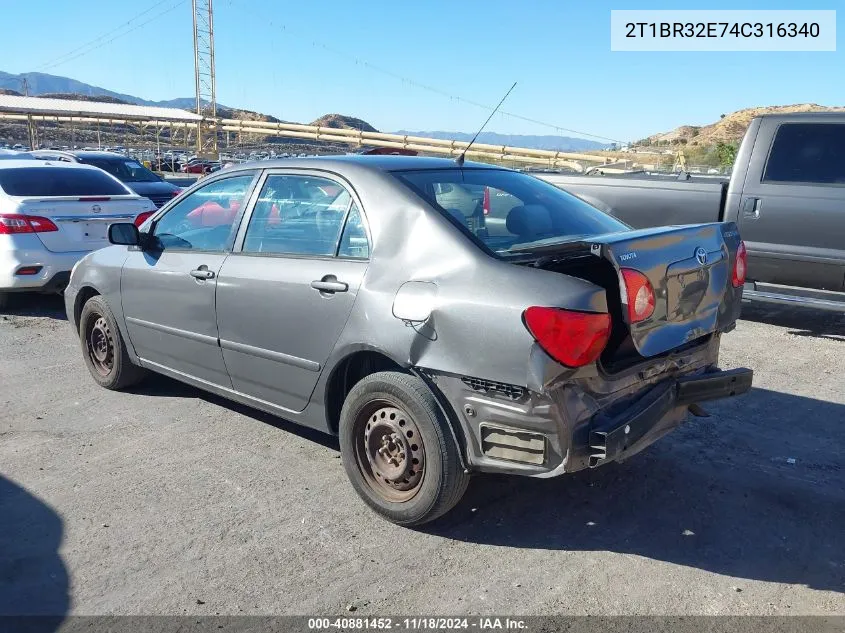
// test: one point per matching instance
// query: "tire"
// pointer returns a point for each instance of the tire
(391, 424)
(104, 349)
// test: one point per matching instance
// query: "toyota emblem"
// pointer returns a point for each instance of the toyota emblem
(96, 208)
(701, 255)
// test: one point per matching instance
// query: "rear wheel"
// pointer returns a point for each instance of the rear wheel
(398, 450)
(104, 349)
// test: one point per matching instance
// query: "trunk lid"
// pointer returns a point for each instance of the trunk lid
(689, 268)
(83, 222)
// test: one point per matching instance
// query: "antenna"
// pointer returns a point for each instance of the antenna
(460, 159)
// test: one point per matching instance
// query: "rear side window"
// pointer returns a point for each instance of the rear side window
(47, 182)
(507, 210)
(304, 215)
(807, 152)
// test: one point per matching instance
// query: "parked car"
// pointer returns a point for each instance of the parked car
(198, 167)
(166, 163)
(51, 215)
(785, 193)
(128, 170)
(340, 293)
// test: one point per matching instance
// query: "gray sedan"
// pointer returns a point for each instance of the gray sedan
(440, 319)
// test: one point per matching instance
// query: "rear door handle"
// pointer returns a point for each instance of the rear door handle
(329, 284)
(751, 208)
(202, 273)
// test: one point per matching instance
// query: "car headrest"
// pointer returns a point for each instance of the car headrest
(529, 220)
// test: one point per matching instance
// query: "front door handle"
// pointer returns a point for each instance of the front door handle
(329, 284)
(751, 208)
(202, 273)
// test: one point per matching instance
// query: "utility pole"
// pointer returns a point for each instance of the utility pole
(29, 123)
(204, 75)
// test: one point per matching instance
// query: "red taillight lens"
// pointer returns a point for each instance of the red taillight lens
(486, 204)
(142, 217)
(11, 223)
(740, 266)
(95, 199)
(640, 295)
(572, 338)
(175, 193)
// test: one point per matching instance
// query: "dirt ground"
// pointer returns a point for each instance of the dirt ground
(166, 500)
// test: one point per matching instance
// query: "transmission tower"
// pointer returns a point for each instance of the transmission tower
(204, 76)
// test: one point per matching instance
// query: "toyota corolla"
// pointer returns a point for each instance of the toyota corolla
(441, 319)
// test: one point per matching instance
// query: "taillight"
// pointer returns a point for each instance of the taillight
(640, 294)
(17, 223)
(95, 199)
(740, 266)
(175, 193)
(486, 204)
(142, 217)
(572, 338)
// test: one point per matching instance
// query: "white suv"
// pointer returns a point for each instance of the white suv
(53, 214)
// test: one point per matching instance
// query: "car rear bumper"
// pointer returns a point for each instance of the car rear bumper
(580, 423)
(53, 273)
(613, 437)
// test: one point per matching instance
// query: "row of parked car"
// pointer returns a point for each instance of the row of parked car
(57, 205)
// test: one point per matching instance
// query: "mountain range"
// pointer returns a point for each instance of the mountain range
(54, 85)
(531, 141)
(42, 84)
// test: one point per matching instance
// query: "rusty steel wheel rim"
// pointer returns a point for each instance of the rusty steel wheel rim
(389, 451)
(100, 344)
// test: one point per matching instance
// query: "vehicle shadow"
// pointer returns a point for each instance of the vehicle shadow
(801, 321)
(30, 304)
(33, 578)
(162, 386)
(721, 494)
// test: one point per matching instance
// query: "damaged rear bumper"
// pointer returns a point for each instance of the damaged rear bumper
(612, 436)
(577, 424)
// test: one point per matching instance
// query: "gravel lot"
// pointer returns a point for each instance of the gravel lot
(170, 501)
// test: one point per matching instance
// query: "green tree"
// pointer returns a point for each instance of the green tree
(726, 153)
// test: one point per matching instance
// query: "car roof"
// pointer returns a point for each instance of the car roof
(101, 155)
(384, 163)
(37, 164)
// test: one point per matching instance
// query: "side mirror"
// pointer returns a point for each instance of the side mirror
(124, 233)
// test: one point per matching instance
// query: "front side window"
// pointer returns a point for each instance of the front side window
(507, 210)
(204, 220)
(301, 215)
(807, 152)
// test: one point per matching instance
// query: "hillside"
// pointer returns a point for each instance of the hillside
(340, 121)
(730, 128)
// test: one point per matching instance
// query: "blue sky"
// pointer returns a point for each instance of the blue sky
(299, 60)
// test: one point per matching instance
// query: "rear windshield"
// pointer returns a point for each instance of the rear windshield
(125, 170)
(507, 211)
(58, 181)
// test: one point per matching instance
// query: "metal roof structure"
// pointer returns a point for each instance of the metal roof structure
(73, 108)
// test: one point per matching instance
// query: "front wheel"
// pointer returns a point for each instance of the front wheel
(104, 349)
(398, 450)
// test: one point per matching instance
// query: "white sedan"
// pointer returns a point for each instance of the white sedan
(51, 215)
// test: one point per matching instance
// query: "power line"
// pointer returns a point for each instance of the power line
(99, 43)
(360, 62)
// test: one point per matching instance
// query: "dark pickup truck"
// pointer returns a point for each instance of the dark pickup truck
(786, 193)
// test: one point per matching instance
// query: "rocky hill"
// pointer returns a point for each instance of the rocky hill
(343, 122)
(730, 127)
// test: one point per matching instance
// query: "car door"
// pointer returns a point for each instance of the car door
(285, 293)
(168, 287)
(792, 211)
